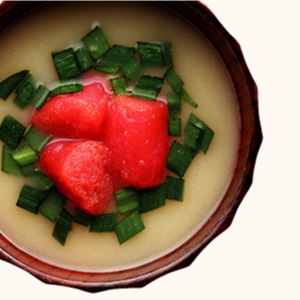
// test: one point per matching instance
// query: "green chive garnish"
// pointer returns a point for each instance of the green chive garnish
(25, 92)
(151, 55)
(174, 188)
(35, 139)
(11, 131)
(185, 96)
(67, 87)
(30, 198)
(96, 43)
(148, 87)
(24, 156)
(174, 126)
(104, 223)
(43, 181)
(63, 226)
(114, 59)
(152, 198)
(129, 227)
(52, 205)
(28, 170)
(9, 85)
(167, 54)
(179, 158)
(127, 200)
(40, 97)
(177, 85)
(131, 68)
(82, 218)
(208, 132)
(65, 64)
(84, 59)
(174, 80)
(193, 137)
(174, 104)
(9, 165)
(119, 85)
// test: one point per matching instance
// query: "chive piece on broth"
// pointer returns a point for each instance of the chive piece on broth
(24, 156)
(62, 226)
(96, 43)
(65, 64)
(35, 139)
(30, 198)
(119, 85)
(10, 84)
(40, 97)
(9, 165)
(148, 87)
(11, 131)
(129, 227)
(179, 158)
(127, 200)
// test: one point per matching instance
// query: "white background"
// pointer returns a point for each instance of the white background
(258, 256)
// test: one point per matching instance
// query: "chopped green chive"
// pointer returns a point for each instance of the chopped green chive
(11, 131)
(129, 227)
(65, 64)
(28, 170)
(24, 155)
(82, 218)
(9, 165)
(179, 158)
(40, 97)
(96, 43)
(119, 85)
(174, 104)
(185, 96)
(30, 198)
(52, 205)
(63, 226)
(193, 137)
(174, 188)
(131, 68)
(208, 133)
(104, 223)
(167, 54)
(127, 200)
(43, 181)
(174, 126)
(25, 92)
(67, 87)
(151, 55)
(148, 87)
(84, 59)
(152, 198)
(177, 85)
(35, 139)
(174, 80)
(114, 59)
(9, 85)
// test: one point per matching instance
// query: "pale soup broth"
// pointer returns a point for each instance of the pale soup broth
(28, 45)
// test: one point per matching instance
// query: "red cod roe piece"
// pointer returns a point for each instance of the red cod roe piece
(136, 131)
(82, 172)
(77, 115)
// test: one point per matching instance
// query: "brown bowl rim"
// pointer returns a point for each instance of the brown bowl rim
(201, 18)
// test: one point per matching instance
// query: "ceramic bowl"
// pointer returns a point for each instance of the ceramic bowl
(201, 18)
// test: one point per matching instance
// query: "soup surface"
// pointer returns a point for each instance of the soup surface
(28, 45)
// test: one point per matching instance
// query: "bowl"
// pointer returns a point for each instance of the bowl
(203, 20)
